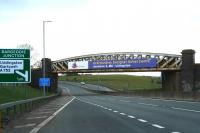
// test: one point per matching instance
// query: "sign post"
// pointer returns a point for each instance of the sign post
(15, 66)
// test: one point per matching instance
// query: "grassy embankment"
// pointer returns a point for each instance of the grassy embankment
(119, 82)
(12, 92)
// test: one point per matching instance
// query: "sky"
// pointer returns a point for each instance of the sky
(81, 27)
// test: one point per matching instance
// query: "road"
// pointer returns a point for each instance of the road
(92, 113)
(87, 112)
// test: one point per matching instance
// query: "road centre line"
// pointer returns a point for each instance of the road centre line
(37, 128)
(189, 110)
(115, 111)
(176, 132)
(27, 125)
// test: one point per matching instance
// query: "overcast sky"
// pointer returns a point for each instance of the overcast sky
(82, 27)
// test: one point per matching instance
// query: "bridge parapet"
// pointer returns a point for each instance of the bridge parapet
(164, 61)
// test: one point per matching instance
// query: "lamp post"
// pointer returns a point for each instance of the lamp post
(44, 92)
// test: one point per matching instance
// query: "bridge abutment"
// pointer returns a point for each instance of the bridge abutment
(170, 81)
(38, 73)
(187, 70)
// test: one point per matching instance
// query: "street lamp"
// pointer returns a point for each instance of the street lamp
(44, 53)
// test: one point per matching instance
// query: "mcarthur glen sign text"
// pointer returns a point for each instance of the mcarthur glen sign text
(15, 65)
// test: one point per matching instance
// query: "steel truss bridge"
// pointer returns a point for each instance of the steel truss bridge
(165, 62)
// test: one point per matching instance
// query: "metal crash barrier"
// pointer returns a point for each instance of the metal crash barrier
(9, 111)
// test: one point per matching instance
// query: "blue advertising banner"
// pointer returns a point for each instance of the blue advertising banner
(120, 64)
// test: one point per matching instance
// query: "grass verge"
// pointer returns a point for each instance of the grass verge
(119, 82)
(15, 92)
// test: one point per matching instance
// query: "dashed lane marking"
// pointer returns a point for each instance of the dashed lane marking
(158, 126)
(141, 120)
(122, 113)
(27, 125)
(130, 116)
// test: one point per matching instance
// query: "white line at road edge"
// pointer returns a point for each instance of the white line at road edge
(37, 128)
(196, 111)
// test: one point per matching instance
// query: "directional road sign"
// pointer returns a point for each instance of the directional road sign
(15, 66)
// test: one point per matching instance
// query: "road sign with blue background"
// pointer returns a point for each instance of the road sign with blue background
(44, 82)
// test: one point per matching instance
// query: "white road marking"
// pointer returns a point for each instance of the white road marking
(110, 109)
(159, 99)
(130, 116)
(27, 125)
(37, 128)
(38, 113)
(158, 126)
(124, 101)
(148, 104)
(115, 111)
(122, 113)
(196, 111)
(141, 120)
(176, 132)
(41, 110)
(39, 117)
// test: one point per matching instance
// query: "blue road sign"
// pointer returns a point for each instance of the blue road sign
(44, 82)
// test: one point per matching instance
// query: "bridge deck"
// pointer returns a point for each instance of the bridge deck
(165, 62)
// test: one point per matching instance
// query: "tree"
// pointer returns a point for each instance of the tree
(33, 53)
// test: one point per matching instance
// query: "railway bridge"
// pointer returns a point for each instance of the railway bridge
(179, 72)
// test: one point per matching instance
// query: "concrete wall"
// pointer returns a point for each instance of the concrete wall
(170, 80)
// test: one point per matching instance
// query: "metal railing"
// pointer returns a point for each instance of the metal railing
(11, 110)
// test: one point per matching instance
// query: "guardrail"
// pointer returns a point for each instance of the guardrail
(11, 110)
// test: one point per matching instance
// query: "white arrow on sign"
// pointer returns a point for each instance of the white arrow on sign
(23, 75)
